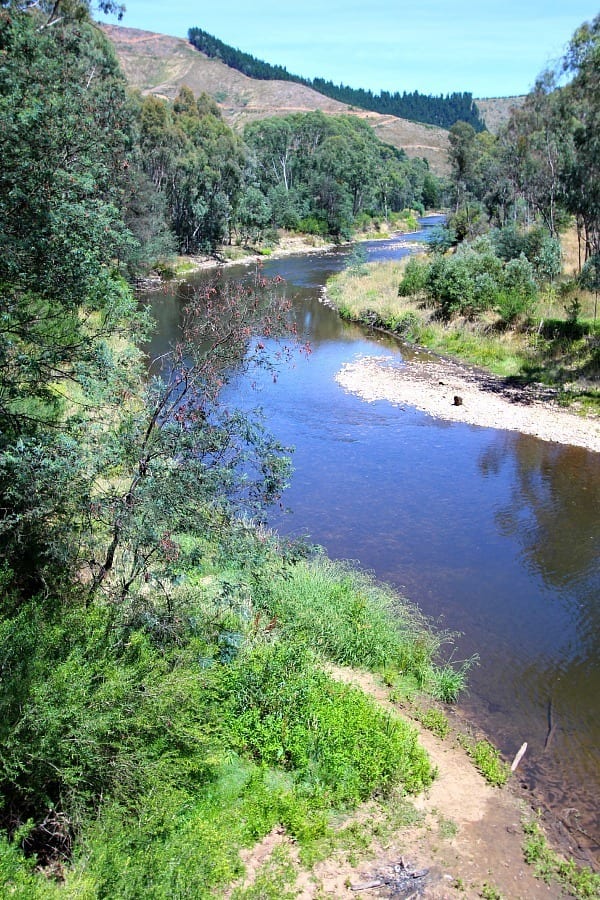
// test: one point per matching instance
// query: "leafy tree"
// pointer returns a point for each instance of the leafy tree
(581, 104)
(180, 461)
(461, 155)
(254, 213)
(65, 143)
(197, 163)
(590, 279)
(323, 172)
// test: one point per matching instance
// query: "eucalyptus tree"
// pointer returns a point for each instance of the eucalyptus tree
(581, 104)
(64, 143)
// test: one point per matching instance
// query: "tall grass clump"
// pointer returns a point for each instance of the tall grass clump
(349, 618)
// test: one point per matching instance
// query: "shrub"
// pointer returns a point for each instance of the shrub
(414, 278)
(312, 225)
(339, 743)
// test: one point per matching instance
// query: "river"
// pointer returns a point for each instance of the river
(494, 534)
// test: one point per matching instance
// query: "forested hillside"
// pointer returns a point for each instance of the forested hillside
(442, 111)
(161, 65)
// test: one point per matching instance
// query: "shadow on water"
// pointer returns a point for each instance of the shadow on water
(493, 533)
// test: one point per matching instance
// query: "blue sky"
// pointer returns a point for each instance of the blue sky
(492, 48)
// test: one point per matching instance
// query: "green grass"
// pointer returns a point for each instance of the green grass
(488, 761)
(435, 721)
(578, 881)
(170, 734)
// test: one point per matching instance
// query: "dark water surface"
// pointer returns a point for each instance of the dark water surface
(493, 533)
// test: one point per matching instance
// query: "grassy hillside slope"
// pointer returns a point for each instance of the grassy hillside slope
(159, 64)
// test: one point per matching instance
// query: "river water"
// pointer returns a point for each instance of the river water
(494, 534)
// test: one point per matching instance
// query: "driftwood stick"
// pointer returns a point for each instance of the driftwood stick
(519, 756)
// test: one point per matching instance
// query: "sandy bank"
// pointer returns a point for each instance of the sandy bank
(486, 400)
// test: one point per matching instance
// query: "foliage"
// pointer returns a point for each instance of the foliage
(442, 110)
(414, 278)
(545, 349)
(181, 462)
(441, 238)
(473, 280)
(487, 759)
(187, 730)
(357, 260)
(196, 162)
(436, 721)
(322, 173)
(579, 881)
(335, 740)
(542, 166)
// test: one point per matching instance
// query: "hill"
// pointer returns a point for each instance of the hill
(442, 110)
(159, 64)
(496, 111)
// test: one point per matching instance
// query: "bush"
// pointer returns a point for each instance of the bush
(312, 225)
(337, 742)
(414, 278)
(536, 245)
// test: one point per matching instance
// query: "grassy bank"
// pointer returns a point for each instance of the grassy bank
(548, 347)
(179, 730)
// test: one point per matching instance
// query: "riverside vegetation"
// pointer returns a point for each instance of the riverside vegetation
(163, 694)
(474, 304)
(163, 688)
(492, 292)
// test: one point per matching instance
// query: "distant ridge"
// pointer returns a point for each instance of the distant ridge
(441, 110)
(159, 64)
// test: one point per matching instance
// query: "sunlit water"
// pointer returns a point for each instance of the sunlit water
(494, 534)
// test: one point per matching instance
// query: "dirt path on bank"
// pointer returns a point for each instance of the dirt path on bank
(465, 839)
(481, 398)
(470, 835)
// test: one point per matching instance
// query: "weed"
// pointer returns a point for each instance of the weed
(447, 828)
(579, 881)
(487, 760)
(489, 892)
(436, 721)
(446, 683)
(274, 881)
